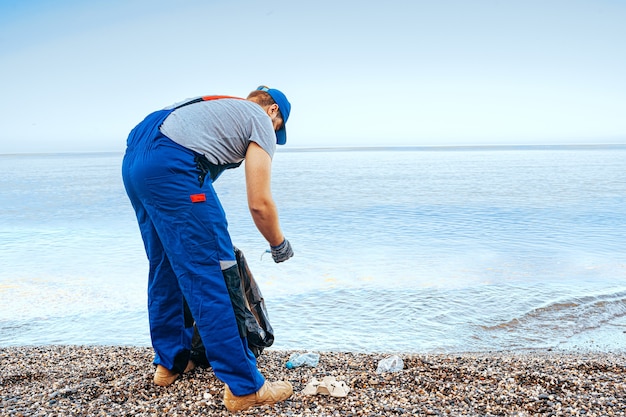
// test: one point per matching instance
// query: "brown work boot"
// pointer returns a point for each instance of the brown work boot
(163, 377)
(270, 393)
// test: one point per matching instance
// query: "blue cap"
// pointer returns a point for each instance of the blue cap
(284, 107)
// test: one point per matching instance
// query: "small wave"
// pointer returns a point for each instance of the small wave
(560, 320)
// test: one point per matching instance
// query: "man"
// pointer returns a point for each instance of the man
(171, 160)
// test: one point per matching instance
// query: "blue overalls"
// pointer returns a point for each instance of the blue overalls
(184, 230)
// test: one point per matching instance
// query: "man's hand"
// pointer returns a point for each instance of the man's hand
(282, 252)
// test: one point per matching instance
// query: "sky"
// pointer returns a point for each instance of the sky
(77, 75)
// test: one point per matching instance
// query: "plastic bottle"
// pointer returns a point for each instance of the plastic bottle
(299, 359)
(391, 364)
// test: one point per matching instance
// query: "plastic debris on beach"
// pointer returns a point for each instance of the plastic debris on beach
(300, 359)
(390, 364)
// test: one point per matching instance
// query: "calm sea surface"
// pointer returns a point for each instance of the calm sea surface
(397, 250)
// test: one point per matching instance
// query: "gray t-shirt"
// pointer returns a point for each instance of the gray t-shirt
(221, 129)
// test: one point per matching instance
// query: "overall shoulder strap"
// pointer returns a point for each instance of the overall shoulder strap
(205, 98)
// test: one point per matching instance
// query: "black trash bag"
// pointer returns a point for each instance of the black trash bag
(250, 311)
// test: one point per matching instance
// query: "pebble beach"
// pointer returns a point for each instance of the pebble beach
(117, 381)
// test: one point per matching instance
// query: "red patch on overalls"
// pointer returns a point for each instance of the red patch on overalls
(198, 198)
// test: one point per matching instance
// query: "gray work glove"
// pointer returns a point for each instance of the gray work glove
(282, 252)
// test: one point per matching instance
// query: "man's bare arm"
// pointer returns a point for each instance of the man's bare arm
(258, 168)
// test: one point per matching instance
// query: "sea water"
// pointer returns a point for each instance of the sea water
(396, 250)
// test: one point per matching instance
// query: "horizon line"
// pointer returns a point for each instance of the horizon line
(374, 148)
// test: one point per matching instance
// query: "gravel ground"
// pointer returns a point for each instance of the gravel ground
(117, 381)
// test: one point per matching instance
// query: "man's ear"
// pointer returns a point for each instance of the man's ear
(272, 110)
